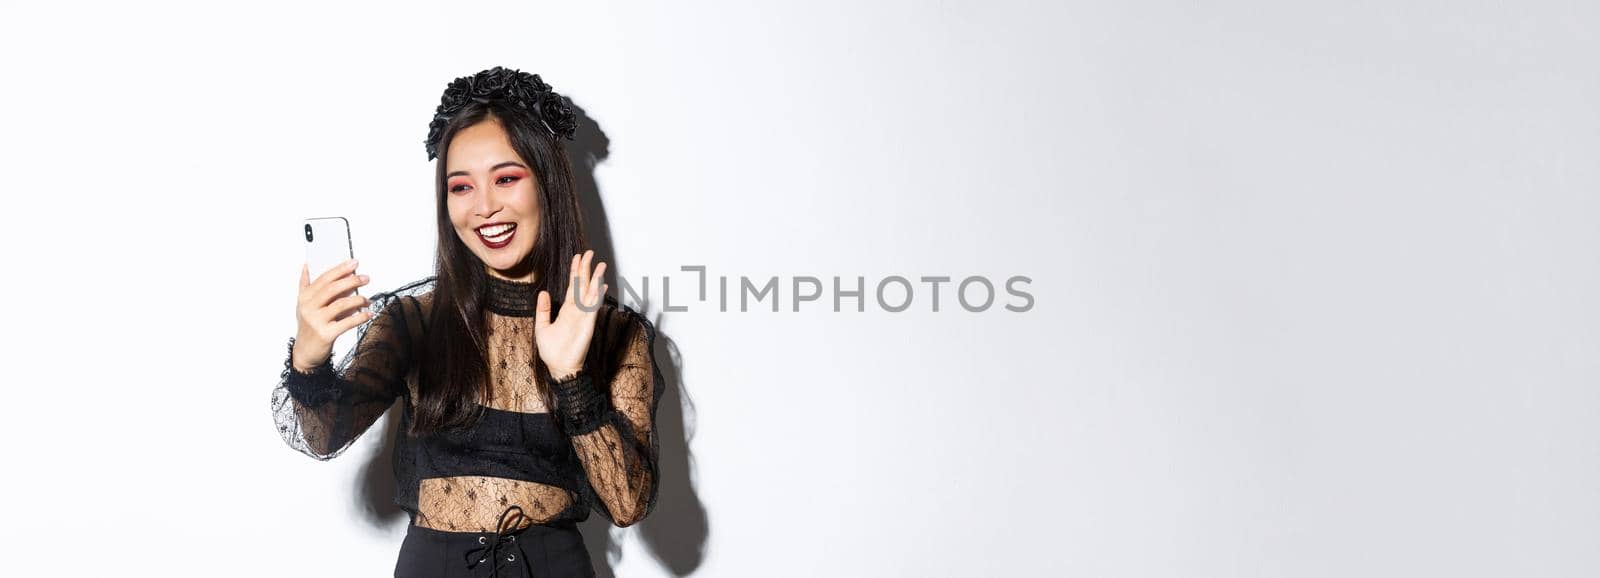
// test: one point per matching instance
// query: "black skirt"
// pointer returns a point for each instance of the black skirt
(537, 551)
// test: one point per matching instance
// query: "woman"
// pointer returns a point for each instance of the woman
(514, 425)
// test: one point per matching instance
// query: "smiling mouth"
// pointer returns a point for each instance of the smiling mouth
(496, 235)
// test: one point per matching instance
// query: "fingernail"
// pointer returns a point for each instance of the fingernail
(364, 278)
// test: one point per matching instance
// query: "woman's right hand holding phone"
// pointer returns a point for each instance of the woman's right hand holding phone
(323, 315)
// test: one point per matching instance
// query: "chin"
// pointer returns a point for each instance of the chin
(503, 263)
(502, 260)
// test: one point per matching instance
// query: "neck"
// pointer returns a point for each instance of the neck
(510, 297)
(526, 277)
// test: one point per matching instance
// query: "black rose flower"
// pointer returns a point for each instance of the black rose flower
(435, 130)
(519, 93)
(556, 111)
(534, 84)
(457, 93)
(491, 82)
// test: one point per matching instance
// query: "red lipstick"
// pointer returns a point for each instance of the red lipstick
(496, 235)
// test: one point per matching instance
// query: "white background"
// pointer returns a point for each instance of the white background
(1315, 282)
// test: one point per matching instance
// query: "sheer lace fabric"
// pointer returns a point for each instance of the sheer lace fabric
(521, 452)
(474, 503)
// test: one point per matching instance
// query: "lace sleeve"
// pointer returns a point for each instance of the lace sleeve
(321, 413)
(611, 420)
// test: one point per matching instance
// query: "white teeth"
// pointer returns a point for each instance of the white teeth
(495, 231)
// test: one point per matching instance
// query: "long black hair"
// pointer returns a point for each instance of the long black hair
(453, 368)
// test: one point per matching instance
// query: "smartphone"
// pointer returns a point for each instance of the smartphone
(327, 245)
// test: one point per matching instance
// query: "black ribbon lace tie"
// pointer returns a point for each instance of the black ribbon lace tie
(505, 535)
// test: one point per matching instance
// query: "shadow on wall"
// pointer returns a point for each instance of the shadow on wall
(676, 531)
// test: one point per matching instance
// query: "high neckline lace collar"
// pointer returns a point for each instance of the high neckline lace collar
(510, 298)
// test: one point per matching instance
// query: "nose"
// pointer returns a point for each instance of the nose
(485, 203)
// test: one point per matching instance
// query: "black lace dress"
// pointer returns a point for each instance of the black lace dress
(521, 464)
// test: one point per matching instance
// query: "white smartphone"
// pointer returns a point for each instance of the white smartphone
(327, 245)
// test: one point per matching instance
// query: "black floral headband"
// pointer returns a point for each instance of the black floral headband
(520, 89)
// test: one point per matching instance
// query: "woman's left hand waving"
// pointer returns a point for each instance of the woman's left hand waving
(564, 342)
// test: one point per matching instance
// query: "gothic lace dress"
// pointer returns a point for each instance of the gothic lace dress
(596, 451)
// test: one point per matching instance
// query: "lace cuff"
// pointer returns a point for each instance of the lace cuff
(582, 407)
(310, 389)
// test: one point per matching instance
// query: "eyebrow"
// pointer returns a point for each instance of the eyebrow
(491, 169)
